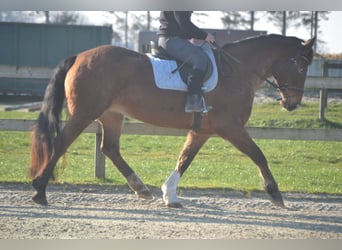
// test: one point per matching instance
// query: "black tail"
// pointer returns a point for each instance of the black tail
(47, 125)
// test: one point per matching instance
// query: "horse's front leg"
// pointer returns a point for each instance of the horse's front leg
(240, 138)
(192, 145)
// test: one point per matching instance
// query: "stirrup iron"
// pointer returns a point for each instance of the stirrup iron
(206, 108)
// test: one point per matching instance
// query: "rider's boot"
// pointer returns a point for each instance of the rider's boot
(195, 100)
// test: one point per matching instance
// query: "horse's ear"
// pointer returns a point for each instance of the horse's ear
(309, 43)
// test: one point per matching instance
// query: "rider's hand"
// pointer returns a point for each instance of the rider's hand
(210, 38)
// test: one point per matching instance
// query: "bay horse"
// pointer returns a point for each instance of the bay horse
(107, 83)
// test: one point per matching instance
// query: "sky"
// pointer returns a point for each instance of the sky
(331, 32)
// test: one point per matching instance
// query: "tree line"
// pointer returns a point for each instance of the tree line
(127, 23)
(283, 20)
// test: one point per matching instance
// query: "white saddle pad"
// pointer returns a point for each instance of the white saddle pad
(165, 79)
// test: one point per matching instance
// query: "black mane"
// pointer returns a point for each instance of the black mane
(262, 38)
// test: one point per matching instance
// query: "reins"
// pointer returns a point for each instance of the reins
(227, 56)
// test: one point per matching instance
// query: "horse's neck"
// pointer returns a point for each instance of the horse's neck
(260, 55)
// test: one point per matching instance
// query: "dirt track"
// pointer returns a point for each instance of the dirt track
(114, 212)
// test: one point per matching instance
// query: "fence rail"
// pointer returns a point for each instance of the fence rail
(8, 71)
(146, 129)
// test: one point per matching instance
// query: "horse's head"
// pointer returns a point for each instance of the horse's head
(290, 74)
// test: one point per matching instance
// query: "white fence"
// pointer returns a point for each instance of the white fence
(145, 129)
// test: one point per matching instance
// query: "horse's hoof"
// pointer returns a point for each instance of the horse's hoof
(174, 205)
(277, 199)
(145, 194)
(279, 203)
(41, 200)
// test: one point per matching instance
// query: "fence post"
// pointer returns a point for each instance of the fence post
(100, 167)
(323, 95)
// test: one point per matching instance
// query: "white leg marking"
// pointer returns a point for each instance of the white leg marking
(169, 188)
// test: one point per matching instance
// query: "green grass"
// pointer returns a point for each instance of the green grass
(301, 166)
(270, 115)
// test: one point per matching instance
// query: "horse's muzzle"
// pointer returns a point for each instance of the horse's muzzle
(289, 106)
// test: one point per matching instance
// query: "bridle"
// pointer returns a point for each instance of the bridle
(285, 87)
(293, 61)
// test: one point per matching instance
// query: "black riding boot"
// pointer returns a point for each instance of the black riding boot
(195, 99)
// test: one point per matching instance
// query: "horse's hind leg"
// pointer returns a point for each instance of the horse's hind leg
(111, 130)
(69, 133)
(192, 145)
(240, 138)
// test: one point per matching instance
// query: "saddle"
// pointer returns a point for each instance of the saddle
(172, 74)
(184, 68)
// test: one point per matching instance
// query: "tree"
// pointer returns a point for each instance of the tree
(127, 23)
(16, 16)
(239, 19)
(65, 17)
(199, 17)
(284, 19)
(308, 19)
(234, 20)
(58, 17)
(312, 20)
(252, 19)
(117, 20)
(148, 14)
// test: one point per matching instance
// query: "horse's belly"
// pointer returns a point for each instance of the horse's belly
(155, 116)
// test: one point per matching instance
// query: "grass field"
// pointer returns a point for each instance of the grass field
(301, 166)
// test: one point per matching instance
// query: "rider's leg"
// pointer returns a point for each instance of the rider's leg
(194, 101)
(184, 50)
